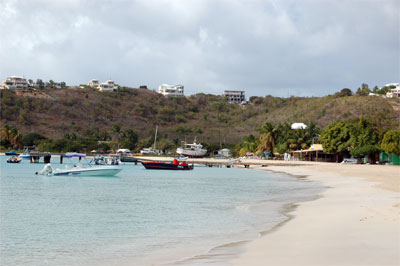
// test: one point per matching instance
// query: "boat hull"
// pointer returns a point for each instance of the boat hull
(191, 153)
(11, 161)
(96, 171)
(165, 166)
(10, 153)
(128, 159)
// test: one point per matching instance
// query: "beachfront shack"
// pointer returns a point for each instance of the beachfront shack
(314, 153)
(391, 158)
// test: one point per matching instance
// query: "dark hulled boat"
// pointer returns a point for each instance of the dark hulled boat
(10, 153)
(14, 159)
(167, 166)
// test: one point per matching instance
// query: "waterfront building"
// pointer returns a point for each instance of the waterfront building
(15, 83)
(225, 153)
(171, 90)
(237, 97)
(314, 153)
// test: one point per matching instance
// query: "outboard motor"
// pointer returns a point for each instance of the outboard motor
(47, 170)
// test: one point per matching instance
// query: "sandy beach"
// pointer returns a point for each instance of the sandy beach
(356, 221)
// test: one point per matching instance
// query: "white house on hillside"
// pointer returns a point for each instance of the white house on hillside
(108, 85)
(393, 93)
(171, 90)
(94, 83)
(237, 97)
(299, 126)
(15, 83)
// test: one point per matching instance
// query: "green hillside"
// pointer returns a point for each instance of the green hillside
(82, 111)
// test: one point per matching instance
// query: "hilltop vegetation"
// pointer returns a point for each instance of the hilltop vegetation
(87, 113)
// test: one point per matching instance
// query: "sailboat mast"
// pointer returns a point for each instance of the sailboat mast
(155, 138)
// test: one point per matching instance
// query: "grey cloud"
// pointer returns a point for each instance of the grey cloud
(264, 47)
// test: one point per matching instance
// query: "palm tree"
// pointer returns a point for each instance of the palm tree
(16, 140)
(312, 131)
(104, 135)
(248, 144)
(11, 136)
(5, 133)
(267, 139)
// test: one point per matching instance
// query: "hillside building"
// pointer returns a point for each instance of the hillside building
(94, 83)
(108, 85)
(298, 126)
(171, 90)
(395, 92)
(15, 83)
(237, 97)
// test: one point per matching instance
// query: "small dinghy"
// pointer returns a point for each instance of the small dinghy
(14, 159)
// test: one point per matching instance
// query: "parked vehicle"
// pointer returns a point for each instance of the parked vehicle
(350, 161)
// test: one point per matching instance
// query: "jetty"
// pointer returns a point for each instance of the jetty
(228, 163)
(34, 156)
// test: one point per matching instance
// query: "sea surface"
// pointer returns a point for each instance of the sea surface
(139, 217)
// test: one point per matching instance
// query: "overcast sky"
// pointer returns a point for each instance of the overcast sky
(306, 48)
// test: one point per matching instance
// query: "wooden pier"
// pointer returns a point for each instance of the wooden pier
(34, 157)
(211, 162)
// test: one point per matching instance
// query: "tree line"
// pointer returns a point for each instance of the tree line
(357, 138)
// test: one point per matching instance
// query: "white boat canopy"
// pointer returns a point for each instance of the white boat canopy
(74, 154)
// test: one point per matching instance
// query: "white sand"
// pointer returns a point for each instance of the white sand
(355, 222)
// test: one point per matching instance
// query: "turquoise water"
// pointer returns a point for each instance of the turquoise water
(139, 217)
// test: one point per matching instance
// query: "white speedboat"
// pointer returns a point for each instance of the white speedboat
(79, 169)
(193, 150)
(25, 154)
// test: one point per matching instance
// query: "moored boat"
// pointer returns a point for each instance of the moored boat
(79, 169)
(126, 156)
(193, 150)
(110, 159)
(175, 165)
(12, 152)
(14, 159)
(25, 154)
(152, 150)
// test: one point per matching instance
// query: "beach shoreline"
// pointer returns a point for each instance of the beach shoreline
(354, 222)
